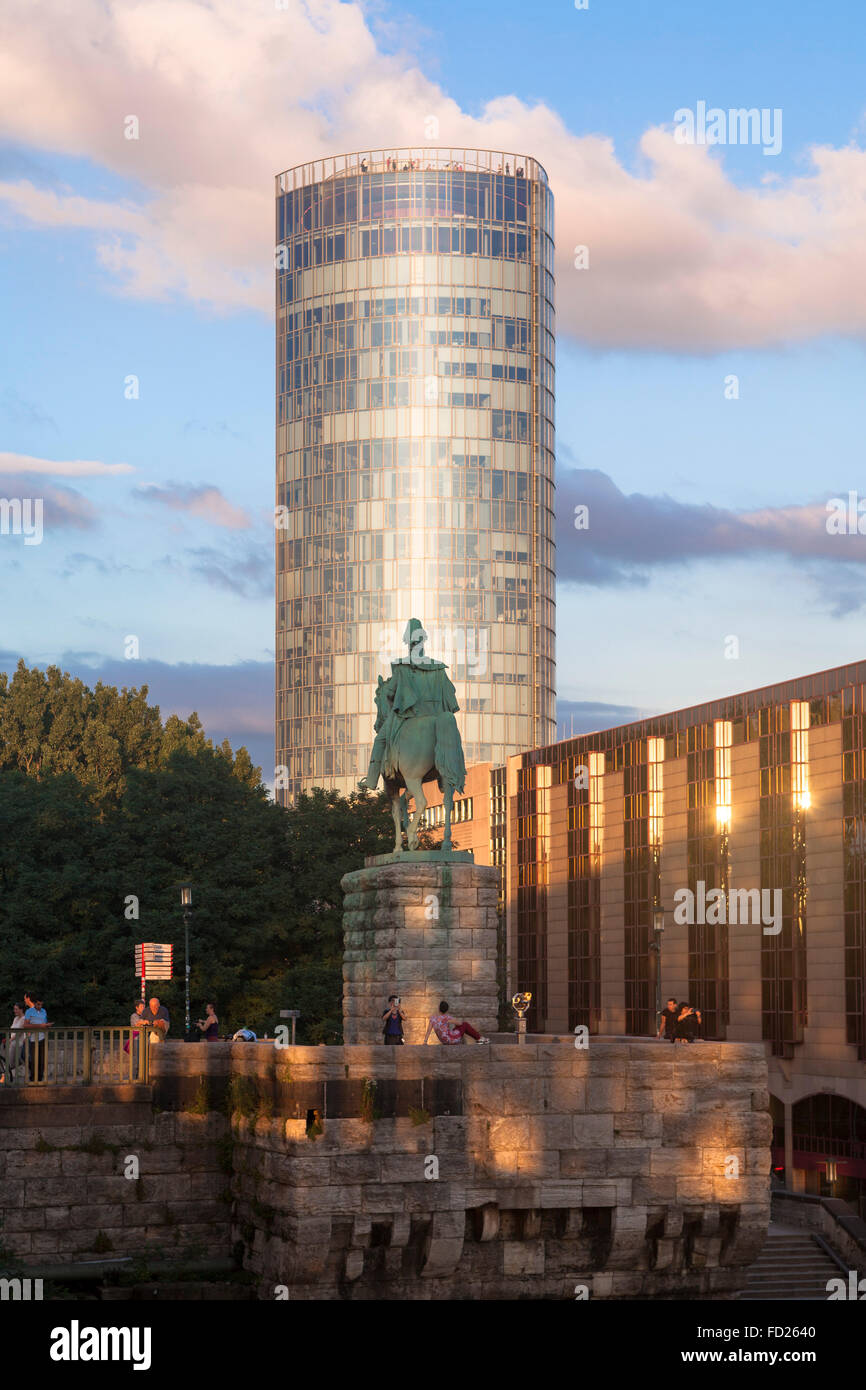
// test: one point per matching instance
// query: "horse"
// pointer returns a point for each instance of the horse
(414, 764)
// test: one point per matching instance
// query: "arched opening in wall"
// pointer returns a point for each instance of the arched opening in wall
(829, 1141)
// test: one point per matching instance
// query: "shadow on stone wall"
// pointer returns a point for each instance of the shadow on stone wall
(626, 1170)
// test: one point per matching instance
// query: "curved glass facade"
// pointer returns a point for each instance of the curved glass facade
(415, 447)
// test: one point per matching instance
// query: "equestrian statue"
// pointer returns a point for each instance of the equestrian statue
(417, 739)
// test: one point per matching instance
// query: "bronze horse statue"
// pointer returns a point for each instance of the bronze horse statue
(417, 739)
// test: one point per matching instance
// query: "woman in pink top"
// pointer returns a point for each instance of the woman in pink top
(448, 1030)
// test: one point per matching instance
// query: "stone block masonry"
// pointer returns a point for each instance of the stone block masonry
(630, 1168)
(423, 931)
(67, 1194)
(509, 1171)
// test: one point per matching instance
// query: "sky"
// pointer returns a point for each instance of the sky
(709, 345)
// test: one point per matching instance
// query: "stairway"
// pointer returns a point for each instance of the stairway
(792, 1266)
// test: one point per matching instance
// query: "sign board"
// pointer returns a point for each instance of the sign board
(154, 960)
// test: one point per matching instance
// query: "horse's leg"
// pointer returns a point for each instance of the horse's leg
(448, 797)
(396, 813)
(415, 789)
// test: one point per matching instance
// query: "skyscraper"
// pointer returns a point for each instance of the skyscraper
(414, 447)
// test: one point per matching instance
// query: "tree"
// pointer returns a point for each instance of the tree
(104, 809)
(326, 836)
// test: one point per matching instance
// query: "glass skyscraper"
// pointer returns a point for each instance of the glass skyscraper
(414, 448)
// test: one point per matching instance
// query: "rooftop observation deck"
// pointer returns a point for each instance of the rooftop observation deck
(410, 159)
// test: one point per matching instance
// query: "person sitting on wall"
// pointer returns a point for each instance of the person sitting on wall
(244, 1035)
(448, 1030)
(392, 1023)
(686, 1025)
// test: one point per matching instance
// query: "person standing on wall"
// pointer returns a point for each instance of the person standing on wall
(392, 1023)
(35, 1017)
(157, 1020)
(136, 1023)
(209, 1026)
(668, 1024)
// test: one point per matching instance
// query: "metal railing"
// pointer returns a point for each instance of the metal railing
(833, 1148)
(410, 159)
(74, 1056)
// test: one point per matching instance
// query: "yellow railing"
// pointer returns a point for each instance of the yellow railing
(73, 1056)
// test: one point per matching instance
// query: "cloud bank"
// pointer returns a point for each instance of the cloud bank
(628, 535)
(227, 93)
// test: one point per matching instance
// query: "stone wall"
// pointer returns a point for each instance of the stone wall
(368, 1172)
(64, 1196)
(425, 931)
(632, 1169)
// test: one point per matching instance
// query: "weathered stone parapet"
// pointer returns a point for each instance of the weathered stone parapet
(506, 1171)
(630, 1167)
(424, 931)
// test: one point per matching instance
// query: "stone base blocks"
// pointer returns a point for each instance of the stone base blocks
(423, 931)
(626, 1170)
(96, 1172)
(629, 1169)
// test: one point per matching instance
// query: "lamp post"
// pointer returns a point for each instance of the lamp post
(294, 1015)
(656, 948)
(186, 904)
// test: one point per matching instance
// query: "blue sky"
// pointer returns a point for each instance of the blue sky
(149, 258)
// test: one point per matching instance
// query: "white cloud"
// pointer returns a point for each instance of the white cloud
(61, 468)
(207, 503)
(230, 92)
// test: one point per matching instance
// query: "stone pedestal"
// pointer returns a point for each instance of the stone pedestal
(422, 926)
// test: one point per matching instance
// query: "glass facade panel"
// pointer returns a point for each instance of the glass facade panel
(777, 797)
(709, 819)
(585, 849)
(415, 371)
(854, 861)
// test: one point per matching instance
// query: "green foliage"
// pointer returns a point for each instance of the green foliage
(96, 1144)
(369, 1112)
(200, 1104)
(102, 1244)
(42, 1146)
(101, 801)
(243, 1096)
(328, 835)
(419, 1117)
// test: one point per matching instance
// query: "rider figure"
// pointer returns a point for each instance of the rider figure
(417, 686)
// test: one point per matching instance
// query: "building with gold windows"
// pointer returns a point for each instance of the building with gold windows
(728, 843)
(414, 447)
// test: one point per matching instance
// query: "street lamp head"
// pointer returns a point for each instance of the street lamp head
(658, 919)
(185, 894)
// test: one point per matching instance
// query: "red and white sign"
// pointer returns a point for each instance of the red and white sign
(154, 960)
